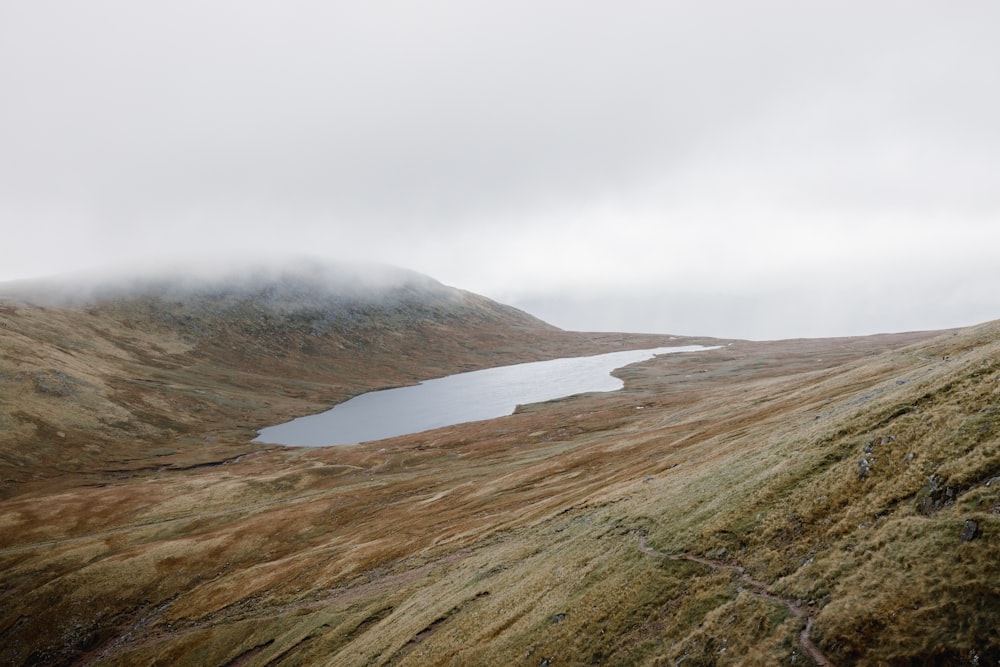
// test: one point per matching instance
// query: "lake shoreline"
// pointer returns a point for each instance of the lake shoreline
(459, 398)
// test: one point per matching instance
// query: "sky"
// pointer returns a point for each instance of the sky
(731, 168)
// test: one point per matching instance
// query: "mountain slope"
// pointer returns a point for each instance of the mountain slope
(720, 505)
(98, 372)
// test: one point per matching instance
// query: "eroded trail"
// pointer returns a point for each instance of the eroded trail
(759, 589)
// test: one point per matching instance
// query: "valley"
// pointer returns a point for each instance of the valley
(140, 525)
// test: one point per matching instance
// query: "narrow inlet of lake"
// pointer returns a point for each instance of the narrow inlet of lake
(457, 399)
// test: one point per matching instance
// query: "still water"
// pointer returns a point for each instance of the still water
(456, 399)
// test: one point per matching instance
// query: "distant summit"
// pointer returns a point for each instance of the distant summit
(271, 303)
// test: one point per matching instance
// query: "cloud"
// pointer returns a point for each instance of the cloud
(513, 148)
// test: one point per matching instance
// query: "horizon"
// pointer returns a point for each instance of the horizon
(358, 277)
(763, 172)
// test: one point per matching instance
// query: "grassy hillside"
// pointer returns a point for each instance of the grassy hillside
(704, 515)
(175, 374)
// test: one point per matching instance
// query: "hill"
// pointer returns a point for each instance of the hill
(183, 368)
(762, 503)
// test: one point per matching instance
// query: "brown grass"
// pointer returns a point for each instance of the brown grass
(513, 541)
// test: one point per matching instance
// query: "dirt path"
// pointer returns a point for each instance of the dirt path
(758, 588)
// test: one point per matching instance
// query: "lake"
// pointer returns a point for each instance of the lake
(457, 399)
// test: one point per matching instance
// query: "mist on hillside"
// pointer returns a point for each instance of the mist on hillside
(283, 281)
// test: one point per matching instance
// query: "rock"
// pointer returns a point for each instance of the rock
(864, 465)
(970, 531)
(935, 496)
(558, 618)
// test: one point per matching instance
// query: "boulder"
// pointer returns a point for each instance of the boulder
(970, 531)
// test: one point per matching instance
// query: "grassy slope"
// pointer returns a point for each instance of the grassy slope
(514, 541)
(135, 382)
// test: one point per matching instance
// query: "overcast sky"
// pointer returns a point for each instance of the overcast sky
(731, 168)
